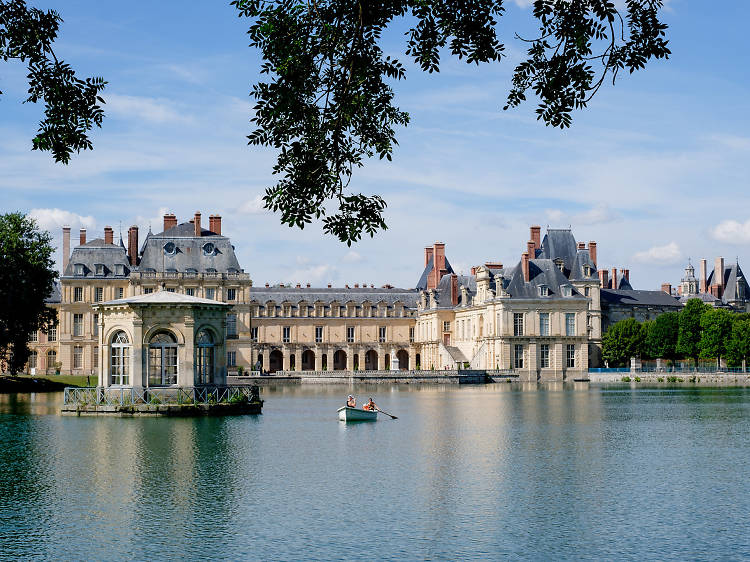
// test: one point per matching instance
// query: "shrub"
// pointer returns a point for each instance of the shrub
(625, 379)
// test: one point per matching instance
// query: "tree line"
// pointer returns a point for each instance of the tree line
(698, 331)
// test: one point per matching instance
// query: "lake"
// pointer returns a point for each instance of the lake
(466, 472)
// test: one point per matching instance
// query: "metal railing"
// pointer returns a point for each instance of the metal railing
(125, 396)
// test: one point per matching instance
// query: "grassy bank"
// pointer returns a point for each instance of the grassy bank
(43, 383)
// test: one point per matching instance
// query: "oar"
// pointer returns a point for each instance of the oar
(387, 414)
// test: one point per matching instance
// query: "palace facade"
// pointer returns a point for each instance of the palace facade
(541, 316)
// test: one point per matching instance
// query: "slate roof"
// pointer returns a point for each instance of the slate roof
(409, 297)
(541, 272)
(98, 252)
(559, 243)
(422, 283)
(705, 297)
(735, 284)
(443, 290)
(624, 285)
(638, 298)
(55, 297)
(165, 297)
(190, 251)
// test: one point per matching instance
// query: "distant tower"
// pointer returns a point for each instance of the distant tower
(689, 284)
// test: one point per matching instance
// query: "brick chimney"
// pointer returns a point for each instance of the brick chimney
(719, 274)
(666, 288)
(308, 285)
(82, 237)
(133, 245)
(427, 255)
(536, 237)
(613, 281)
(197, 223)
(170, 221)
(582, 245)
(525, 266)
(66, 247)
(625, 274)
(704, 275)
(109, 236)
(493, 265)
(438, 268)
(592, 252)
(214, 224)
(454, 289)
(604, 278)
(356, 285)
(531, 249)
(473, 270)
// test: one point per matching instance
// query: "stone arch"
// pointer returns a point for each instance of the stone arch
(179, 336)
(308, 360)
(339, 360)
(275, 361)
(403, 359)
(371, 360)
(418, 360)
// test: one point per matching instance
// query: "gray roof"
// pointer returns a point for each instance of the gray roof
(735, 284)
(559, 243)
(191, 252)
(55, 297)
(705, 297)
(623, 284)
(541, 272)
(443, 290)
(408, 297)
(165, 297)
(422, 283)
(98, 252)
(638, 298)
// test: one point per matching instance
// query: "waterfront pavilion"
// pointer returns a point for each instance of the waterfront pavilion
(162, 340)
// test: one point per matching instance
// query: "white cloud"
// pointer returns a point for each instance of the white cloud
(666, 255)
(155, 110)
(352, 257)
(314, 274)
(732, 232)
(598, 214)
(54, 219)
(253, 206)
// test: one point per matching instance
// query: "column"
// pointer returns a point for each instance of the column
(298, 361)
(285, 362)
(349, 359)
(318, 358)
(381, 359)
(266, 354)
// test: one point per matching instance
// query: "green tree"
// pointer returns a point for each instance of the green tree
(327, 105)
(26, 280)
(71, 104)
(716, 329)
(738, 346)
(661, 341)
(690, 328)
(621, 341)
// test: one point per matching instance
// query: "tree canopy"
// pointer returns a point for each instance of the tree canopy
(661, 338)
(71, 103)
(327, 105)
(716, 330)
(621, 341)
(26, 280)
(689, 334)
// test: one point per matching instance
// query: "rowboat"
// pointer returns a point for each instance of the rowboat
(355, 414)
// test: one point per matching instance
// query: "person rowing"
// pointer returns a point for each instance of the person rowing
(351, 402)
(370, 406)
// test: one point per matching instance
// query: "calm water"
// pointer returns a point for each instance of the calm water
(464, 473)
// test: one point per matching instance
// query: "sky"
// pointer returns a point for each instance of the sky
(655, 170)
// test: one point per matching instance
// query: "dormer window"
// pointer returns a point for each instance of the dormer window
(543, 291)
(210, 270)
(99, 269)
(567, 290)
(119, 269)
(208, 249)
(559, 264)
(587, 270)
(79, 269)
(170, 249)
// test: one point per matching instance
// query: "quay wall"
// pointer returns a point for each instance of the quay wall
(374, 377)
(700, 378)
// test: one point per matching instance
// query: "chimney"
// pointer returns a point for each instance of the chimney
(346, 286)
(525, 266)
(356, 285)
(625, 274)
(582, 245)
(716, 291)
(133, 245)
(214, 224)
(666, 288)
(493, 265)
(427, 255)
(604, 278)
(299, 286)
(82, 237)
(531, 249)
(329, 285)
(197, 223)
(308, 285)
(613, 281)
(438, 267)
(66, 247)
(109, 235)
(473, 270)
(719, 274)
(704, 285)
(267, 285)
(536, 237)
(170, 221)
(454, 289)
(592, 252)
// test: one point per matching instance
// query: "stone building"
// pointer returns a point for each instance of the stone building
(725, 286)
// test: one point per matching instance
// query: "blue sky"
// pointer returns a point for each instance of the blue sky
(655, 171)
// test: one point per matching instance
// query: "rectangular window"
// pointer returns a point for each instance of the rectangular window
(231, 358)
(518, 356)
(32, 360)
(171, 289)
(77, 357)
(34, 336)
(570, 356)
(95, 325)
(78, 324)
(254, 333)
(190, 291)
(52, 333)
(77, 294)
(98, 294)
(318, 334)
(231, 294)
(286, 338)
(231, 325)
(350, 334)
(544, 356)
(570, 324)
(587, 291)
(544, 323)
(446, 326)
(518, 324)
(210, 293)
(148, 290)
(120, 292)
(95, 360)
(381, 334)
(411, 335)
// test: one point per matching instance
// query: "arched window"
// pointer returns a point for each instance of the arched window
(162, 359)
(119, 364)
(204, 358)
(51, 360)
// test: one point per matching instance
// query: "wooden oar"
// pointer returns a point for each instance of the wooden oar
(387, 414)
